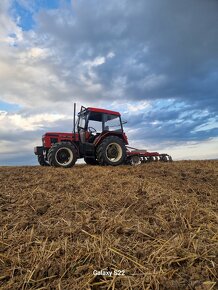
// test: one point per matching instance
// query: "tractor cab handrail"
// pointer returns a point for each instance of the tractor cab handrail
(82, 110)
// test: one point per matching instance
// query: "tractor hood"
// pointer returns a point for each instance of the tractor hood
(70, 134)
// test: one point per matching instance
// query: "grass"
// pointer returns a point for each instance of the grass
(157, 222)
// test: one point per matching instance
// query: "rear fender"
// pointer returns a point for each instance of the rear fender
(103, 135)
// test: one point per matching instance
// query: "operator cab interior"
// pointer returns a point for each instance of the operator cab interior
(103, 122)
(96, 123)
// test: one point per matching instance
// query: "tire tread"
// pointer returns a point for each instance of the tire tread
(101, 150)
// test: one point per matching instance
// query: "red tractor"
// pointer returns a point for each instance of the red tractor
(98, 137)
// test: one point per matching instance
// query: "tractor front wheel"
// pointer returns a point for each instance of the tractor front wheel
(42, 161)
(62, 155)
(111, 151)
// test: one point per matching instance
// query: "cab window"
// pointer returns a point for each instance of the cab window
(82, 121)
(112, 123)
(95, 121)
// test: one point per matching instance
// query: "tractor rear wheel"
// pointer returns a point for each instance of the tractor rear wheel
(62, 155)
(111, 151)
(42, 161)
(91, 161)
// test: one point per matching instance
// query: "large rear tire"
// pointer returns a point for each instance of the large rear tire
(42, 161)
(111, 151)
(90, 161)
(62, 154)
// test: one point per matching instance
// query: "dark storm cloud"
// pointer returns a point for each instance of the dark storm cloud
(172, 133)
(170, 126)
(162, 49)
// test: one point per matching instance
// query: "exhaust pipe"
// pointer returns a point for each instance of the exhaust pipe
(74, 119)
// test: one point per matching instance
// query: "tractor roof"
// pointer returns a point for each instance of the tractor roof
(98, 110)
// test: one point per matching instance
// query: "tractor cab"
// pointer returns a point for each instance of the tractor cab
(93, 123)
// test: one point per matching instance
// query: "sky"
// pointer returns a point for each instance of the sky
(156, 62)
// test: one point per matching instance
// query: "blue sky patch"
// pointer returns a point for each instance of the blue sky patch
(25, 12)
(24, 16)
(4, 106)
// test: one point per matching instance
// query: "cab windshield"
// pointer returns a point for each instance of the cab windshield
(104, 122)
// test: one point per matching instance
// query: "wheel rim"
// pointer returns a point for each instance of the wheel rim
(64, 156)
(114, 152)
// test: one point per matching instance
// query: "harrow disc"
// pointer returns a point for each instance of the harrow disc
(166, 158)
(144, 159)
(153, 159)
(135, 160)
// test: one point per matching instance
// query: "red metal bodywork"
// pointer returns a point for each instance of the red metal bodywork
(60, 136)
(106, 134)
(103, 111)
(142, 153)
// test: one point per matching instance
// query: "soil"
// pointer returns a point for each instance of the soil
(152, 226)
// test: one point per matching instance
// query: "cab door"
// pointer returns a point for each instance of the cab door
(86, 149)
(82, 127)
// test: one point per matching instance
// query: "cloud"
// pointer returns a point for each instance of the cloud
(161, 50)
(171, 124)
(149, 50)
(27, 123)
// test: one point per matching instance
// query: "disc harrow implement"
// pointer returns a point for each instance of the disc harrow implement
(138, 156)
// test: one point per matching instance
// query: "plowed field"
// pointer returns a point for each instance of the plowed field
(152, 226)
